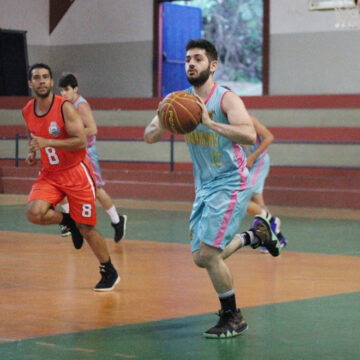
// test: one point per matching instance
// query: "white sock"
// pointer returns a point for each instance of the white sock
(114, 216)
(226, 294)
(65, 207)
(243, 239)
(253, 238)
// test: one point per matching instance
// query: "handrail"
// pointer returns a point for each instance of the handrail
(171, 140)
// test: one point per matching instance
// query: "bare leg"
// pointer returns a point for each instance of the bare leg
(211, 259)
(234, 245)
(254, 208)
(257, 204)
(96, 242)
(104, 198)
(40, 212)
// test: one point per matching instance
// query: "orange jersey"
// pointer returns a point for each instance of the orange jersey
(52, 126)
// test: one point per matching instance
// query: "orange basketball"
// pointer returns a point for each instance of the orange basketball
(179, 112)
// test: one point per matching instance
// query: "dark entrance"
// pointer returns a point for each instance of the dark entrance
(13, 63)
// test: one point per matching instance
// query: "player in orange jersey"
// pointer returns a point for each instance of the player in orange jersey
(55, 129)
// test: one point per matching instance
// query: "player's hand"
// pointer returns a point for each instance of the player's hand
(205, 118)
(31, 158)
(38, 143)
(160, 124)
(249, 162)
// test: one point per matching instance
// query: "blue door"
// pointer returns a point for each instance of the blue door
(180, 24)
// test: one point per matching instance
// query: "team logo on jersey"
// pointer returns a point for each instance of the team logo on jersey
(54, 129)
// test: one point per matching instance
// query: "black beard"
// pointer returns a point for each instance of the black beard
(43, 96)
(201, 79)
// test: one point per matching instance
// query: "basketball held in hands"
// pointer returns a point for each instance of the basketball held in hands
(179, 112)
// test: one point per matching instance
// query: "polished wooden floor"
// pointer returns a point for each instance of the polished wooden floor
(46, 285)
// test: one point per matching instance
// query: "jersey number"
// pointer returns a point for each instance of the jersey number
(86, 210)
(215, 158)
(52, 156)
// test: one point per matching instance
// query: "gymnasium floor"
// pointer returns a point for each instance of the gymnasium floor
(302, 305)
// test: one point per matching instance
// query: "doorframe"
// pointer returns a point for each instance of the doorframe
(157, 47)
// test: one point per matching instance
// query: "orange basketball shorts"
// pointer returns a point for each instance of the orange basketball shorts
(77, 183)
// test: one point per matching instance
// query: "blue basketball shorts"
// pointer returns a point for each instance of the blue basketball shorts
(258, 173)
(93, 157)
(216, 216)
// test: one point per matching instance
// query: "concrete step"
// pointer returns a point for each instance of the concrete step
(111, 174)
(282, 188)
(127, 189)
(307, 197)
(316, 181)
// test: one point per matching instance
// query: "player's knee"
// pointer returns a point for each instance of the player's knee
(85, 230)
(203, 259)
(34, 215)
(198, 261)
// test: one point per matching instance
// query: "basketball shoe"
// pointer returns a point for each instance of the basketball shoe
(109, 278)
(120, 228)
(64, 230)
(275, 227)
(230, 324)
(262, 230)
(77, 238)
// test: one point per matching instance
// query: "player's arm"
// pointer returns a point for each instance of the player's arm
(240, 128)
(154, 131)
(74, 127)
(267, 139)
(88, 119)
(31, 156)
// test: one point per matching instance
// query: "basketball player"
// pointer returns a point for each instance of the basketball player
(68, 85)
(221, 182)
(258, 163)
(56, 130)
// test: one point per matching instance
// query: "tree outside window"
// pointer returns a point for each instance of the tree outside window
(235, 27)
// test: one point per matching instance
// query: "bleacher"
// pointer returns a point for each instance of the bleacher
(315, 156)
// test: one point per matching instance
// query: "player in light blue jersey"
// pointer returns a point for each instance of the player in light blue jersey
(69, 89)
(221, 182)
(258, 163)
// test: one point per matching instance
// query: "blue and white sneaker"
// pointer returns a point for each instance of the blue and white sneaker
(282, 239)
(275, 224)
(275, 227)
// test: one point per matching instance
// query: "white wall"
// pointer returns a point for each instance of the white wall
(293, 16)
(108, 43)
(105, 21)
(29, 15)
(308, 55)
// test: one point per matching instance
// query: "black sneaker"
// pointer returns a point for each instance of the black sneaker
(109, 278)
(77, 238)
(262, 230)
(120, 228)
(230, 324)
(64, 230)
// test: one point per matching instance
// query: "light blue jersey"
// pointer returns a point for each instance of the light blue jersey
(215, 157)
(91, 150)
(91, 139)
(221, 180)
(260, 168)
